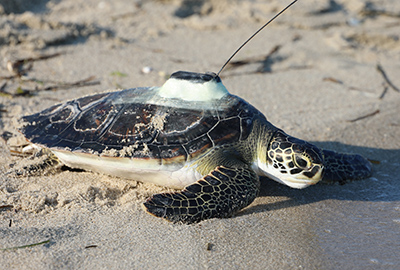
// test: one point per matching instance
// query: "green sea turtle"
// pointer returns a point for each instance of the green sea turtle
(190, 134)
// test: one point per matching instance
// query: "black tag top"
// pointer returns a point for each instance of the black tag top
(196, 77)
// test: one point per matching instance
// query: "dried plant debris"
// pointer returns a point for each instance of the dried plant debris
(91, 246)
(51, 87)
(21, 67)
(39, 33)
(388, 83)
(27, 246)
(333, 80)
(364, 116)
(265, 60)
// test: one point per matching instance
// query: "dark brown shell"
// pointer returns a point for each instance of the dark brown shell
(128, 124)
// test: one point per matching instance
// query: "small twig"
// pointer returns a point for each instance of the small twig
(331, 79)
(385, 89)
(91, 246)
(27, 246)
(364, 116)
(382, 72)
(17, 66)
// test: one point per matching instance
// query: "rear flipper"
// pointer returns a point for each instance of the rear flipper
(220, 194)
(342, 168)
(48, 163)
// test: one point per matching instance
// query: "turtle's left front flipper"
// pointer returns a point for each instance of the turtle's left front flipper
(220, 194)
(341, 168)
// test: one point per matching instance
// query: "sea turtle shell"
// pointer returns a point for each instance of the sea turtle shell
(140, 129)
(116, 123)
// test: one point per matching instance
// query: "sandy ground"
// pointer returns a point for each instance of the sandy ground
(321, 84)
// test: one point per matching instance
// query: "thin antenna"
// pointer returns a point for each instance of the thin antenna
(259, 30)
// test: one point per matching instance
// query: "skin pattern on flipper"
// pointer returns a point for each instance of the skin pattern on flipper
(210, 145)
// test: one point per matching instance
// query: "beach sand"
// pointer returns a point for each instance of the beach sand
(313, 72)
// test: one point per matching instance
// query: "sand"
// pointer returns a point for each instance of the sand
(321, 84)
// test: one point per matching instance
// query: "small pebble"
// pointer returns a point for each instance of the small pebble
(147, 70)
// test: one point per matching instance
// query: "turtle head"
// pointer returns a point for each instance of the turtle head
(292, 161)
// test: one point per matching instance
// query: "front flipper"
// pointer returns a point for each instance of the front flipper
(220, 194)
(341, 168)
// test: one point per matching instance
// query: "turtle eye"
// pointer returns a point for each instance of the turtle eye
(301, 161)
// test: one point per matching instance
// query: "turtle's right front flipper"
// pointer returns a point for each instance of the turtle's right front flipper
(220, 194)
(341, 168)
